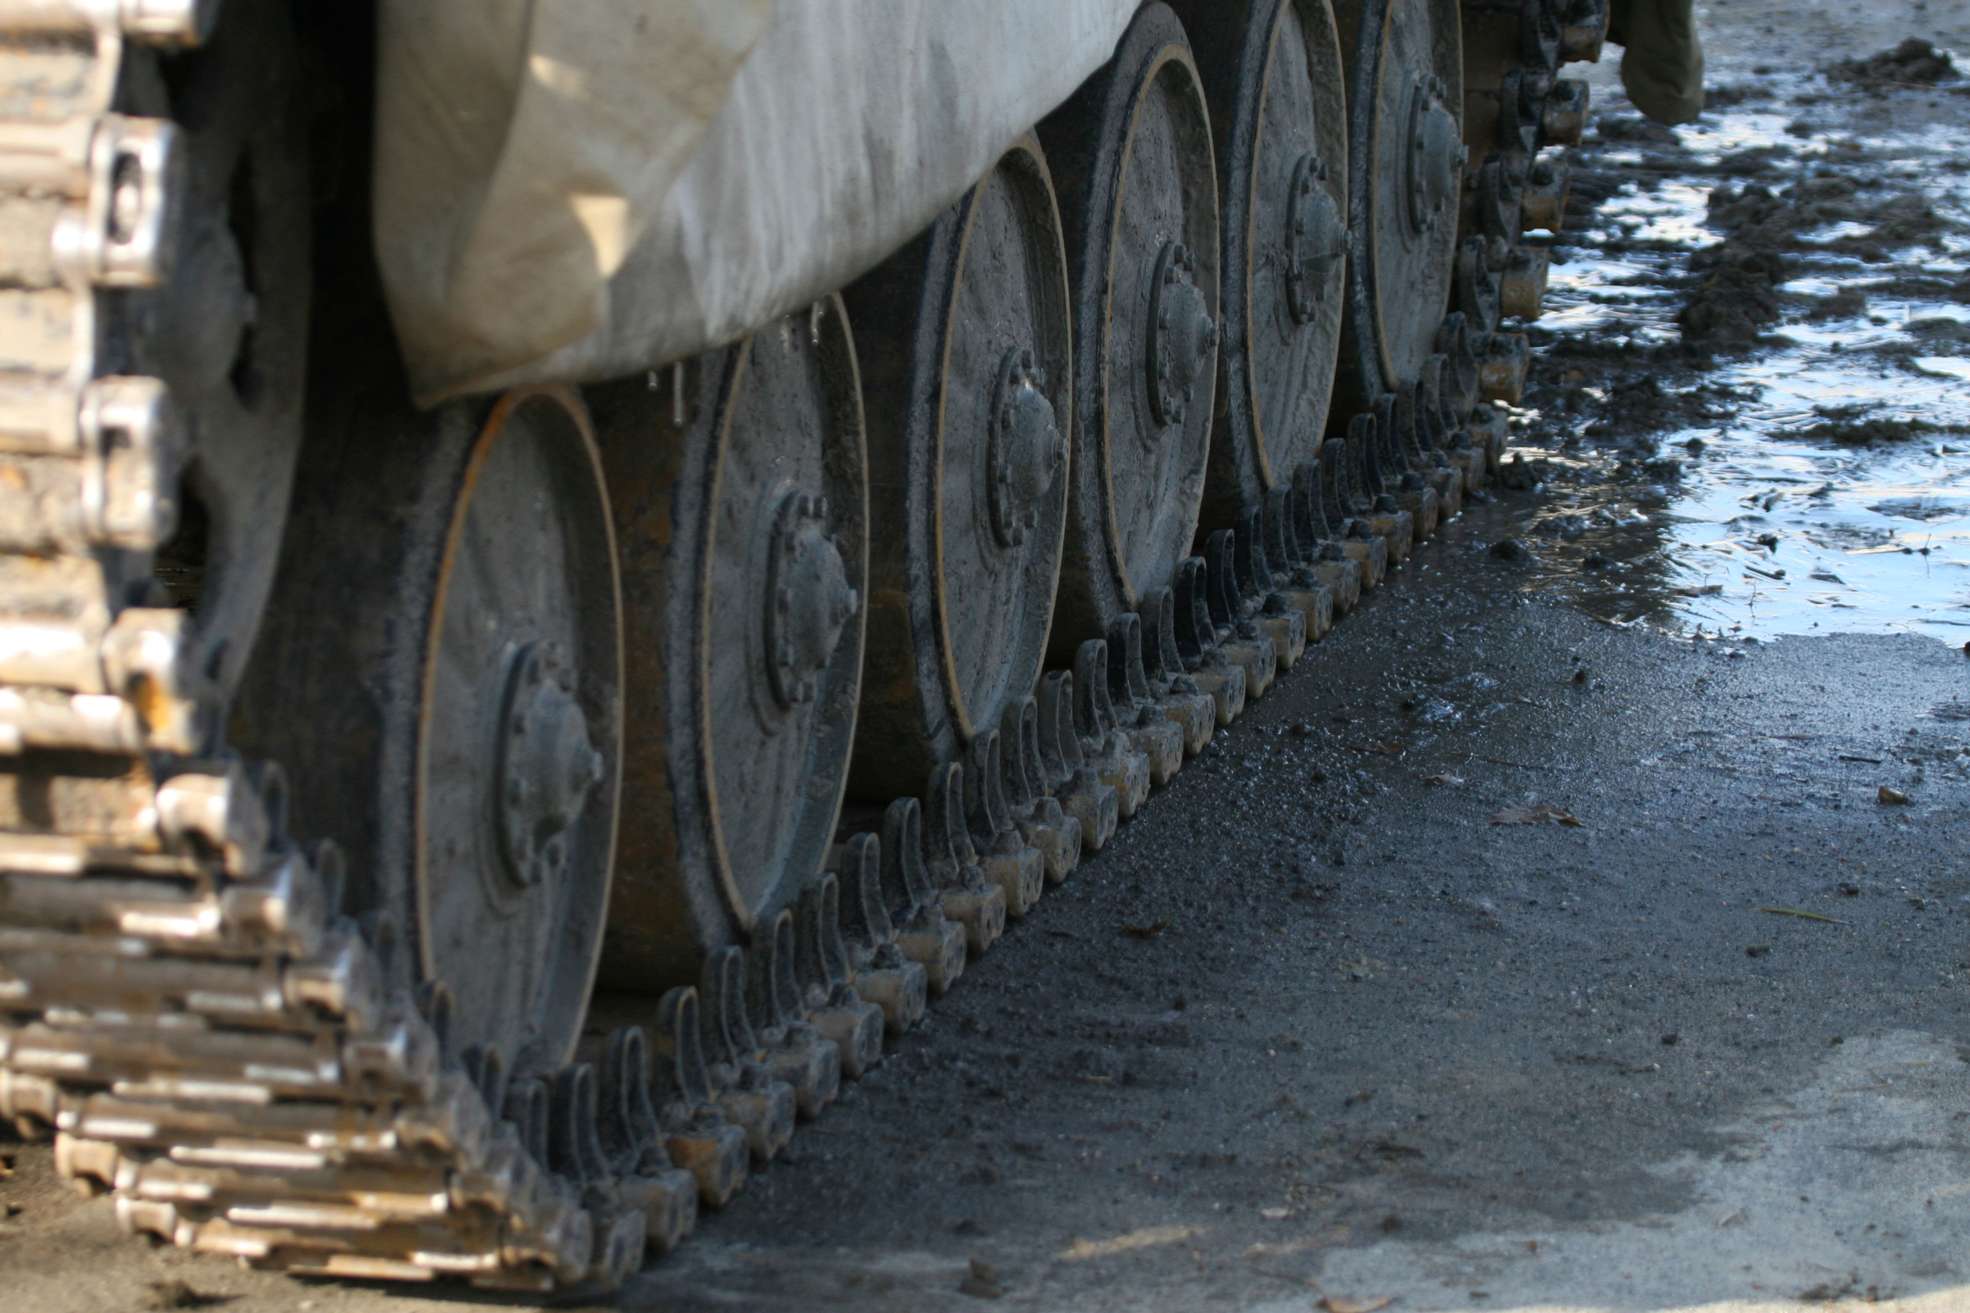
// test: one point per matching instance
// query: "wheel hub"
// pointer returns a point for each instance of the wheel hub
(1435, 154)
(811, 601)
(548, 765)
(1318, 240)
(1026, 449)
(1181, 337)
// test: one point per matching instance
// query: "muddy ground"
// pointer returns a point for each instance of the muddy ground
(1546, 941)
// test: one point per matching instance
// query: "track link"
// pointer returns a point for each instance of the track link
(183, 1006)
(252, 1073)
(1521, 115)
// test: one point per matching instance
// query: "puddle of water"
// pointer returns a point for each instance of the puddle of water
(1789, 537)
(1717, 135)
(1751, 525)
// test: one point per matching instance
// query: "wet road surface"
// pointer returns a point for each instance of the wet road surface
(1545, 941)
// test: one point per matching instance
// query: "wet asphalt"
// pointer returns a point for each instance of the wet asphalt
(1559, 935)
(1331, 992)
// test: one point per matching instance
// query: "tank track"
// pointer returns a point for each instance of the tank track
(181, 1004)
(1515, 181)
(248, 1071)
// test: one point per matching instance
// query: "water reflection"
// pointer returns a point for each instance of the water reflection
(1755, 505)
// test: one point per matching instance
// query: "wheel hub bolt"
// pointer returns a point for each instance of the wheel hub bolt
(1182, 336)
(1315, 245)
(812, 599)
(548, 764)
(1025, 448)
(1435, 154)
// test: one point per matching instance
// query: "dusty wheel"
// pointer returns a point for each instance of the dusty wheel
(1406, 157)
(968, 390)
(448, 625)
(1278, 100)
(740, 487)
(1132, 158)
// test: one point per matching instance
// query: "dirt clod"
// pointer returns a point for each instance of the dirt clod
(981, 1281)
(179, 1294)
(1914, 62)
(1851, 426)
(1828, 1292)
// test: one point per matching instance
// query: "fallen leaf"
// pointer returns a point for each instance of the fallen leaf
(1148, 1237)
(1150, 931)
(1538, 813)
(1341, 1304)
(1888, 797)
(1802, 914)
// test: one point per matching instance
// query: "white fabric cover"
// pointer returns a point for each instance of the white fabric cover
(570, 190)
